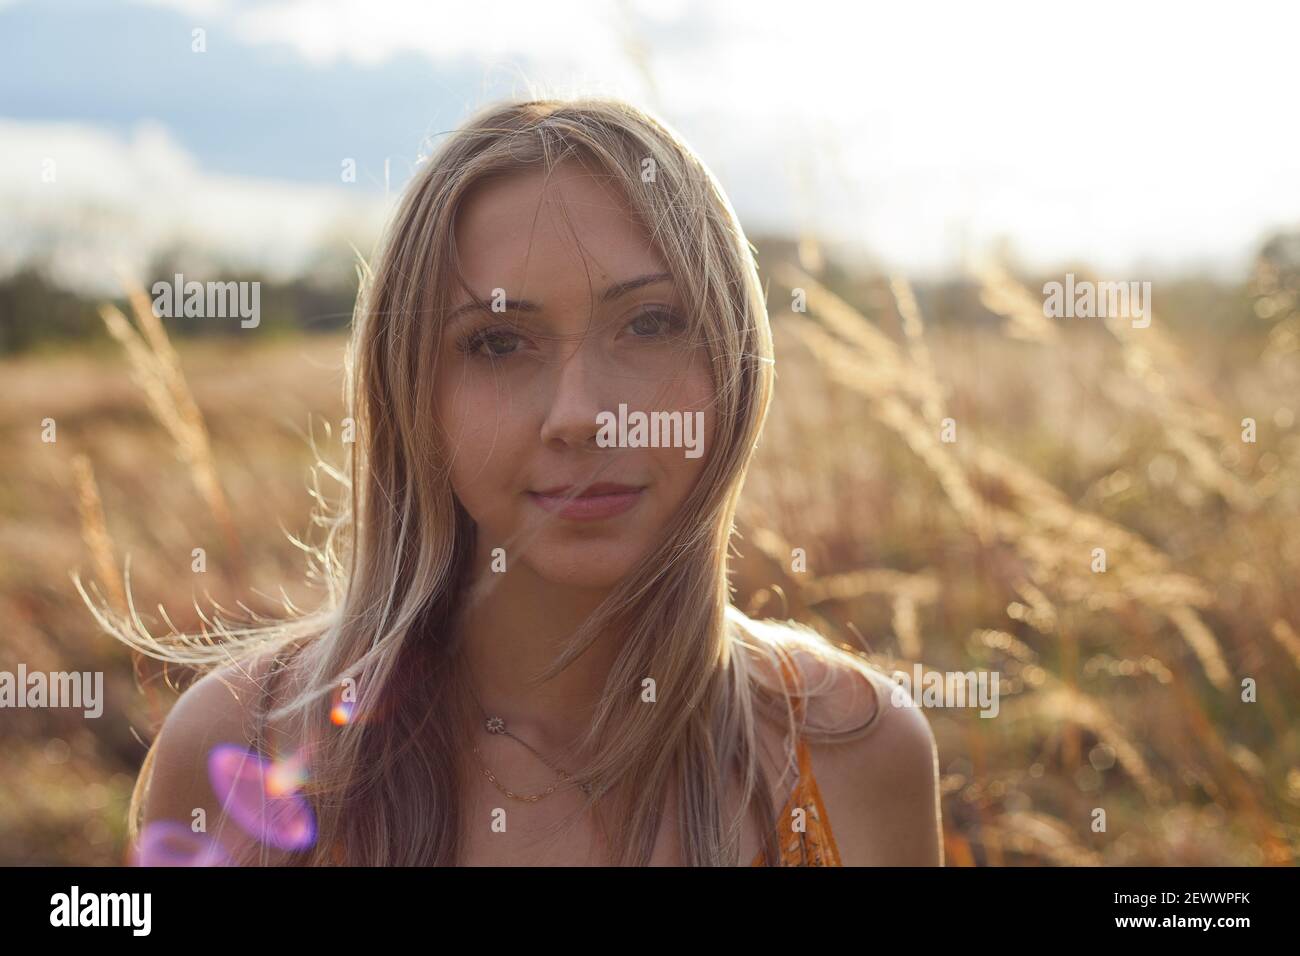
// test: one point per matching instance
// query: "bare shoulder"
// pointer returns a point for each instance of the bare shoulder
(217, 704)
(881, 790)
(217, 709)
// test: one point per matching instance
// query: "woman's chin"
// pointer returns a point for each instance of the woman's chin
(584, 568)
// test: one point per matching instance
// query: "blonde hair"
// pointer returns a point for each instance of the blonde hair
(398, 550)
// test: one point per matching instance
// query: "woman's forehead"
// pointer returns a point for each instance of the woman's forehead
(524, 233)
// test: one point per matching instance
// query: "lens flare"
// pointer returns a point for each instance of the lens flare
(170, 843)
(286, 776)
(341, 713)
(263, 796)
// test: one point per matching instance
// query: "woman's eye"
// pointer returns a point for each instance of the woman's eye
(654, 323)
(491, 343)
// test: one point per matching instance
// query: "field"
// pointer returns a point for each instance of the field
(1069, 503)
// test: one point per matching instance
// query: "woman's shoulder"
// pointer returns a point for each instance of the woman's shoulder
(840, 689)
(879, 780)
(220, 708)
(881, 790)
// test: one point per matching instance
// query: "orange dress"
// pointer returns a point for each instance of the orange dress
(804, 839)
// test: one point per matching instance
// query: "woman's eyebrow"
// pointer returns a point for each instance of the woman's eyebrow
(524, 305)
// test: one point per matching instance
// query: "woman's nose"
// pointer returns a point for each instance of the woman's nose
(577, 398)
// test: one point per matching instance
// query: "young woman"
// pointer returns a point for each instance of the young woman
(529, 655)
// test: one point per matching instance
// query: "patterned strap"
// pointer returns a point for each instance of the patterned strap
(804, 839)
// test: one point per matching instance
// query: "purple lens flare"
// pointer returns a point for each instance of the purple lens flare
(264, 797)
(171, 843)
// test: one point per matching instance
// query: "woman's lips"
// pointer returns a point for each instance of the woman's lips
(594, 503)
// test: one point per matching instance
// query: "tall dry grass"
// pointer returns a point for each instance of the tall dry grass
(1121, 690)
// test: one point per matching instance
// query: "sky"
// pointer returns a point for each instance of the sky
(1134, 139)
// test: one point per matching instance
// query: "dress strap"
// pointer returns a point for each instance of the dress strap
(814, 845)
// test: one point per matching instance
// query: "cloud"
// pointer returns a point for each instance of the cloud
(922, 131)
(88, 201)
(370, 32)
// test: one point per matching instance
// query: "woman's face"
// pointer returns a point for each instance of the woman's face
(579, 326)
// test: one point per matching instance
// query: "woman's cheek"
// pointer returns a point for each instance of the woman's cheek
(682, 467)
(479, 447)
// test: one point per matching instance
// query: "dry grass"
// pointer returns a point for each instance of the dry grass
(1121, 690)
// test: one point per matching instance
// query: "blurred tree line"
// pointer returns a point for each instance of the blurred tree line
(37, 313)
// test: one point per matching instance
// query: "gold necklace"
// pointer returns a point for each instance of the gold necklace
(497, 726)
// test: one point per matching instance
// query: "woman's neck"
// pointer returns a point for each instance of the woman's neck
(513, 627)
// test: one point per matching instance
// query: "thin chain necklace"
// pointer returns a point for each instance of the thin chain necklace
(497, 726)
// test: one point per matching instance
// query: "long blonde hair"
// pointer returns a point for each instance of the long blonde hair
(398, 550)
